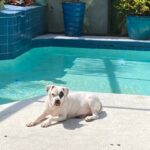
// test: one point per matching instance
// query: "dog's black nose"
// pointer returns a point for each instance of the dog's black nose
(57, 102)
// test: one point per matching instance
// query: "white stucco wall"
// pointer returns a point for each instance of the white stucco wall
(95, 22)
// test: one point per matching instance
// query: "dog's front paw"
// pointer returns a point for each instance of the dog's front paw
(31, 124)
(45, 124)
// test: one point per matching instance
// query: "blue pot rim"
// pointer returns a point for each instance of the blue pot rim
(137, 16)
(73, 3)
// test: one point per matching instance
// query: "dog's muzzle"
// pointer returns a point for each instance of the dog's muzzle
(57, 102)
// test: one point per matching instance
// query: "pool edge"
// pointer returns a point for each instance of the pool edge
(105, 42)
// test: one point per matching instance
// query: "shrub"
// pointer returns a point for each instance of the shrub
(132, 7)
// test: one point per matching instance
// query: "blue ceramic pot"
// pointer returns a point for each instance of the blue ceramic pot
(73, 18)
(138, 27)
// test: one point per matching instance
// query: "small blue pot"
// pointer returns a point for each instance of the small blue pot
(73, 18)
(138, 27)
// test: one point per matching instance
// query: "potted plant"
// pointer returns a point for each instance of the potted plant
(73, 14)
(137, 16)
(2, 4)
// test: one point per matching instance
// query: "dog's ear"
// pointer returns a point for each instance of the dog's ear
(49, 87)
(66, 91)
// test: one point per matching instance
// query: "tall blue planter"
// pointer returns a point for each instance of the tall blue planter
(138, 27)
(73, 14)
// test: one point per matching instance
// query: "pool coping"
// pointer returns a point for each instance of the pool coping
(107, 42)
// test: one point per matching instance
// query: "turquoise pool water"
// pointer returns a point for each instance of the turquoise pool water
(97, 70)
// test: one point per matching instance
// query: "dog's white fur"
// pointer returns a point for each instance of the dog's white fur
(70, 104)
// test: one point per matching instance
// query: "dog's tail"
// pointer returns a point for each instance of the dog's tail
(100, 107)
(97, 105)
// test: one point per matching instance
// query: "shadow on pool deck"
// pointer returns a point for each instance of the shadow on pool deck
(12, 109)
(73, 124)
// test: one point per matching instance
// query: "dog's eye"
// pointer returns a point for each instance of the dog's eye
(53, 94)
(61, 94)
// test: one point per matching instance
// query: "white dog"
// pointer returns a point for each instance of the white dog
(60, 105)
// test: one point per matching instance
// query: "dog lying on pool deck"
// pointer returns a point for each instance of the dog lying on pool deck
(62, 104)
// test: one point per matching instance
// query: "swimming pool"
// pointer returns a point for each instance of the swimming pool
(81, 69)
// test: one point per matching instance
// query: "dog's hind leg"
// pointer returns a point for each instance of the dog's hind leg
(96, 107)
(91, 118)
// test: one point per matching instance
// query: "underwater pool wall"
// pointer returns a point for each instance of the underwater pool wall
(18, 25)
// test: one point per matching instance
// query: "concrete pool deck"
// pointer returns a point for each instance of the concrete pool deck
(123, 125)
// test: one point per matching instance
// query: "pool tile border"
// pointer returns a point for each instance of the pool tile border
(104, 42)
(91, 42)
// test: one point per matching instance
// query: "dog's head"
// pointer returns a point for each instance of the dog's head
(57, 94)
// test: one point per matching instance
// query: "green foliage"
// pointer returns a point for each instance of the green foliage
(132, 7)
(1, 4)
